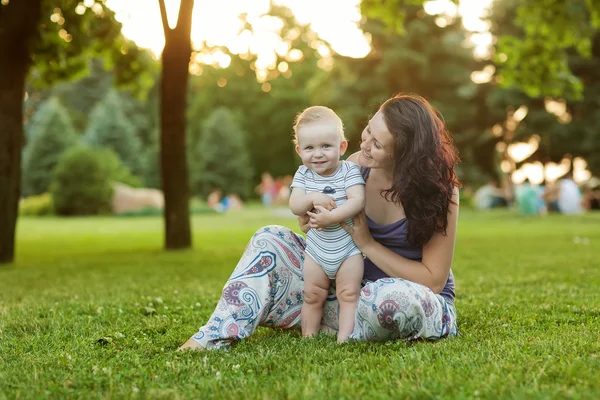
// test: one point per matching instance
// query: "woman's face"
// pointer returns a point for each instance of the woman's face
(377, 144)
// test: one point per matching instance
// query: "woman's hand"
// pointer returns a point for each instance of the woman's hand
(359, 231)
(303, 222)
(320, 218)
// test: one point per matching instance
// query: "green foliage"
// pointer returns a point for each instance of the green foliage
(266, 116)
(220, 159)
(536, 62)
(109, 128)
(527, 303)
(82, 183)
(427, 60)
(152, 174)
(575, 134)
(65, 45)
(36, 205)
(50, 133)
(390, 13)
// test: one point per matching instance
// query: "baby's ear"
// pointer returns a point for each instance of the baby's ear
(298, 149)
(343, 146)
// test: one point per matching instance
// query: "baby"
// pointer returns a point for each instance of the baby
(334, 190)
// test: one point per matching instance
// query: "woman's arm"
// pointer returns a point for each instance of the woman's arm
(434, 268)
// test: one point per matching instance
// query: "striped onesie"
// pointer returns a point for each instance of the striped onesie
(331, 246)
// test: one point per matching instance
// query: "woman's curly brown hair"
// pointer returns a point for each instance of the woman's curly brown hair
(423, 165)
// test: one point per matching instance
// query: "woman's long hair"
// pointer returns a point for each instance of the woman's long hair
(423, 165)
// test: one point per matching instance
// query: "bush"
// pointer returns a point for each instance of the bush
(37, 205)
(82, 182)
(50, 133)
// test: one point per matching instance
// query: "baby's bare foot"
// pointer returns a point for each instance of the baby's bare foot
(191, 345)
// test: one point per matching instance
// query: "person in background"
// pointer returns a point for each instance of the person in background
(564, 195)
(489, 196)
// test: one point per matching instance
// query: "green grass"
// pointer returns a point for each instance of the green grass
(94, 309)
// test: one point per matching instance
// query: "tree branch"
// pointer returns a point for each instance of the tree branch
(184, 19)
(163, 16)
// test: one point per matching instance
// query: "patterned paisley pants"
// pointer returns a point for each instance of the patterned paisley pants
(266, 289)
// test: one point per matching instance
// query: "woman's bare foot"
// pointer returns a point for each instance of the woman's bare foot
(191, 345)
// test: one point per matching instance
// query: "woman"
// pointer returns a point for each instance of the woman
(406, 232)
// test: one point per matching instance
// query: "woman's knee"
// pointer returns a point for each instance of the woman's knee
(269, 230)
(394, 291)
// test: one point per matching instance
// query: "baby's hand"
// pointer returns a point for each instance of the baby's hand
(320, 218)
(320, 199)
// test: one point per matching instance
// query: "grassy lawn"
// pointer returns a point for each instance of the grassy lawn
(94, 309)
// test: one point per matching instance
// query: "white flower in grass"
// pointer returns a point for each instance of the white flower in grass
(235, 367)
(218, 375)
(135, 389)
(197, 304)
(159, 300)
(99, 310)
(176, 291)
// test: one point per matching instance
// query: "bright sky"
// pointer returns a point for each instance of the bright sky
(335, 21)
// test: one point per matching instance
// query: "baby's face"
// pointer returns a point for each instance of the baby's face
(320, 147)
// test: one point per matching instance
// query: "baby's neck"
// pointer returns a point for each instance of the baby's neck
(333, 170)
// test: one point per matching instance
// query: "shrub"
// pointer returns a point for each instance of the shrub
(82, 182)
(37, 205)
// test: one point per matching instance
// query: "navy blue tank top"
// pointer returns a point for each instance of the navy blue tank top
(395, 237)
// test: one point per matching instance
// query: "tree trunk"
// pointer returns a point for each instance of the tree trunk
(174, 80)
(18, 22)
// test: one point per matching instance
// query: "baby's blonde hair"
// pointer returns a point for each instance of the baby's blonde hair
(315, 114)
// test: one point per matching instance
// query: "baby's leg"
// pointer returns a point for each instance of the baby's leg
(347, 285)
(316, 284)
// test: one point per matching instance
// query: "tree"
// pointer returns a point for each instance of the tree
(108, 127)
(175, 64)
(574, 130)
(266, 101)
(51, 134)
(59, 37)
(426, 59)
(536, 62)
(17, 27)
(220, 159)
